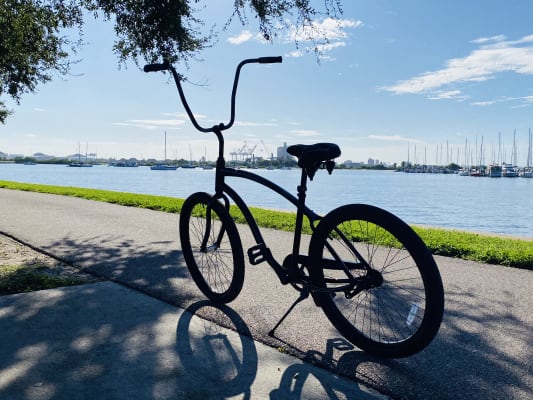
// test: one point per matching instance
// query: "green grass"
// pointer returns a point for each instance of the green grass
(479, 247)
(471, 246)
(23, 278)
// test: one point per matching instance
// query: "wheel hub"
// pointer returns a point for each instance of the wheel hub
(374, 278)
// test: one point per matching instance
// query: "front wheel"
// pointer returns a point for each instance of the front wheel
(376, 281)
(212, 247)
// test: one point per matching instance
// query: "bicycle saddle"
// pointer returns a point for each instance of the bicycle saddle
(311, 156)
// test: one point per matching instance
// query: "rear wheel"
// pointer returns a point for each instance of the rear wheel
(212, 247)
(389, 299)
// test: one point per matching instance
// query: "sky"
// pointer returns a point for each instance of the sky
(414, 80)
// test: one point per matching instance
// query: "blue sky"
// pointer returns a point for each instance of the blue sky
(414, 76)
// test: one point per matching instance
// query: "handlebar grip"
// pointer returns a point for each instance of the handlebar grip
(156, 67)
(269, 60)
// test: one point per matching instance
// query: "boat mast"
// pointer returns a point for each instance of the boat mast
(529, 151)
(514, 149)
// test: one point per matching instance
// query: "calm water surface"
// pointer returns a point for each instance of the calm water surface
(497, 205)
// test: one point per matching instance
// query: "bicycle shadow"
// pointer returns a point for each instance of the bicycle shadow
(222, 364)
(227, 364)
(481, 338)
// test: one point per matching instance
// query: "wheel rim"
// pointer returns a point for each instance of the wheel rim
(392, 309)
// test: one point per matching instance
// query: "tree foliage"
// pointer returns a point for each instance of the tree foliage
(34, 46)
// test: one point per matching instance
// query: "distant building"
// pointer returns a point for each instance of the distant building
(351, 164)
(132, 162)
(282, 152)
(42, 157)
(3, 156)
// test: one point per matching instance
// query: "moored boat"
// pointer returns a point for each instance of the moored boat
(495, 171)
(526, 173)
(509, 171)
(164, 167)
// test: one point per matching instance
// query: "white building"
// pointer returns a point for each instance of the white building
(282, 152)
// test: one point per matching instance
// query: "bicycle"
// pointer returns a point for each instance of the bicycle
(371, 274)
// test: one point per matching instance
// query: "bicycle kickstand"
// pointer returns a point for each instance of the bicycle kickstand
(304, 294)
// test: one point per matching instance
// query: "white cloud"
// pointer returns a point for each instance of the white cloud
(482, 64)
(329, 28)
(525, 101)
(484, 103)
(326, 35)
(394, 138)
(449, 94)
(152, 123)
(305, 132)
(248, 123)
(241, 38)
(497, 38)
(295, 54)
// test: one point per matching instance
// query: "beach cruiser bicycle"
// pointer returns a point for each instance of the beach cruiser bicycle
(371, 274)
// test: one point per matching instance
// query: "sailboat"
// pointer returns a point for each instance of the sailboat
(528, 171)
(190, 164)
(164, 167)
(80, 163)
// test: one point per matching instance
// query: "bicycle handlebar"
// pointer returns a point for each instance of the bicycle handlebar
(156, 67)
(177, 78)
(269, 60)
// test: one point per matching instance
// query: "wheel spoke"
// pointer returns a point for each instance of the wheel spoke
(386, 315)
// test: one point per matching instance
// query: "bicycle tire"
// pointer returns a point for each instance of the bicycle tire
(402, 313)
(217, 270)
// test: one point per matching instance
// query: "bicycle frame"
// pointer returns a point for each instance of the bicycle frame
(260, 252)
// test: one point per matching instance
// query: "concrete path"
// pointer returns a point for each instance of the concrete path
(484, 348)
(105, 341)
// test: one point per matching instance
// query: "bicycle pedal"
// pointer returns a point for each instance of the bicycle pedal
(257, 254)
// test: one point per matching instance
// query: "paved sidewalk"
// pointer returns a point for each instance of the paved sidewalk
(482, 351)
(105, 341)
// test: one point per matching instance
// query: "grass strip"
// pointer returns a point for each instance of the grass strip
(498, 250)
(23, 278)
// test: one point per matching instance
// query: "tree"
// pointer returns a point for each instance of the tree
(32, 48)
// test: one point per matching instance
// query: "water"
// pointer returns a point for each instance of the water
(493, 205)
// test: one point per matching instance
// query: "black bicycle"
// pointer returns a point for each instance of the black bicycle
(371, 274)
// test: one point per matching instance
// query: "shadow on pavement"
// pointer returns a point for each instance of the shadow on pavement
(151, 267)
(482, 351)
(104, 341)
(222, 367)
(227, 365)
(92, 341)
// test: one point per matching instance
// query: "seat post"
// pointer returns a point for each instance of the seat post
(302, 189)
(221, 163)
